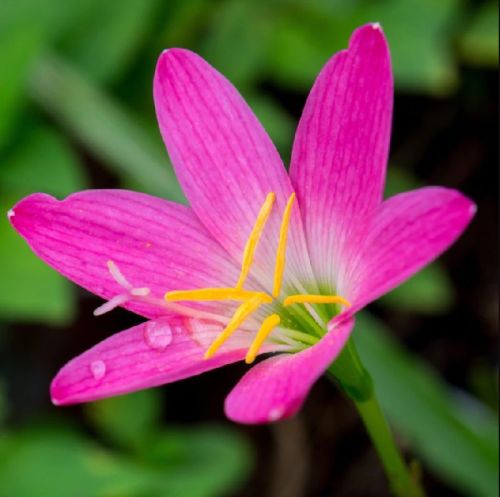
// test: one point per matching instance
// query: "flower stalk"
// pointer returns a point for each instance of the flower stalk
(355, 380)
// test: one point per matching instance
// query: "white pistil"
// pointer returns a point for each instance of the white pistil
(122, 298)
(111, 304)
(143, 295)
(118, 276)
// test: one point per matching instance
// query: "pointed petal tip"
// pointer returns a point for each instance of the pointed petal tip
(57, 396)
(25, 210)
(468, 204)
(370, 28)
(168, 52)
(274, 414)
(462, 203)
(172, 56)
(371, 34)
(55, 401)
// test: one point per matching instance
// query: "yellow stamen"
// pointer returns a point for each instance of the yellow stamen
(267, 327)
(254, 238)
(281, 252)
(215, 294)
(315, 299)
(250, 300)
(243, 311)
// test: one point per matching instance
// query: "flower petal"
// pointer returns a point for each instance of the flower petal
(409, 231)
(150, 354)
(340, 151)
(155, 243)
(276, 388)
(224, 160)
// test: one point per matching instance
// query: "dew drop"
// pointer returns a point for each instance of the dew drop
(11, 214)
(158, 335)
(275, 413)
(98, 369)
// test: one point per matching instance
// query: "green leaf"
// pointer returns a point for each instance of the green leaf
(479, 41)
(447, 436)
(18, 48)
(418, 32)
(42, 161)
(23, 35)
(207, 461)
(106, 40)
(428, 292)
(103, 126)
(56, 461)
(49, 462)
(53, 18)
(128, 420)
(299, 47)
(30, 290)
(400, 180)
(237, 40)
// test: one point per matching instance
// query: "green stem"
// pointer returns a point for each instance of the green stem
(348, 370)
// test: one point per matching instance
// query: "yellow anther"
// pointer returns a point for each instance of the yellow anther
(243, 311)
(214, 294)
(254, 238)
(316, 299)
(281, 252)
(267, 327)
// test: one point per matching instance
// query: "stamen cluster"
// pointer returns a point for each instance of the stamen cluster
(253, 300)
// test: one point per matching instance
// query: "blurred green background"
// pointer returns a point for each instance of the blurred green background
(76, 112)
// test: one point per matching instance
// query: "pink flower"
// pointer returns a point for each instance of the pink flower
(343, 243)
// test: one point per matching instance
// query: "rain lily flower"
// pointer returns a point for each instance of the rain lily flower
(262, 262)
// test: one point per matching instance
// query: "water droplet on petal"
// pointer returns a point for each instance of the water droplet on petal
(275, 413)
(11, 213)
(158, 335)
(98, 369)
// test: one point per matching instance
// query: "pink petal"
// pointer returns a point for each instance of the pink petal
(341, 146)
(224, 159)
(409, 231)
(147, 355)
(276, 388)
(155, 243)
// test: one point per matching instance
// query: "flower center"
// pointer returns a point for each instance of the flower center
(253, 300)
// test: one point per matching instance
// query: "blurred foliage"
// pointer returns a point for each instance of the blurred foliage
(449, 430)
(479, 42)
(76, 86)
(48, 297)
(143, 460)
